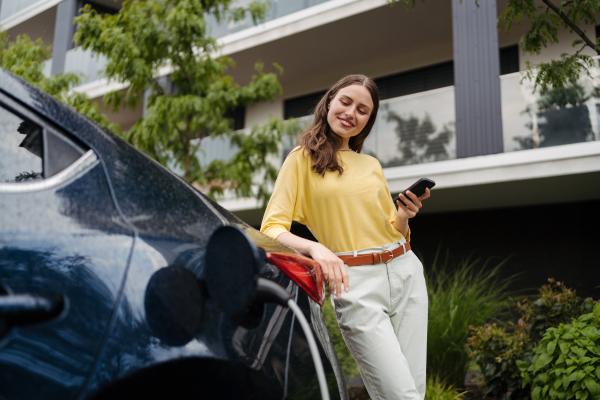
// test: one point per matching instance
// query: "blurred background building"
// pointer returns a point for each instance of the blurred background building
(518, 175)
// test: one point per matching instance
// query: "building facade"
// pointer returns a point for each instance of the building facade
(517, 176)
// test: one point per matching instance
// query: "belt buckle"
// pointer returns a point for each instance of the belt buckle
(381, 258)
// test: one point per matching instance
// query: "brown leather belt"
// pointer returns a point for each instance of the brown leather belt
(374, 258)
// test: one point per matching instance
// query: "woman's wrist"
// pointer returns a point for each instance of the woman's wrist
(401, 225)
(313, 246)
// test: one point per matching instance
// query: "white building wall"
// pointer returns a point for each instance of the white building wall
(259, 113)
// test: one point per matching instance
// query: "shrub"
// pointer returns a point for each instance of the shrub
(498, 349)
(347, 363)
(460, 294)
(496, 352)
(438, 390)
(555, 304)
(566, 364)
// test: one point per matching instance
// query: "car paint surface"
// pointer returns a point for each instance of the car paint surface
(122, 233)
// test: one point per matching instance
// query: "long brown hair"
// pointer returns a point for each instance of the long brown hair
(320, 142)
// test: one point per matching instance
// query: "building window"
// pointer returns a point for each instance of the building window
(301, 106)
(405, 83)
(29, 152)
(238, 117)
(416, 81)
(509, 59)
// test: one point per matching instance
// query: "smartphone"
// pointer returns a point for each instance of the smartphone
(418, 188)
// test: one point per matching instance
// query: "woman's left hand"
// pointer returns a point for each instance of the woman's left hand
(413, 204)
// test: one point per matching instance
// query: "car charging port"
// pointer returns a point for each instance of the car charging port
(232, 265)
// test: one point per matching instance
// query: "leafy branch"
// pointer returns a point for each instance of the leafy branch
(546, 21)
(190, 104)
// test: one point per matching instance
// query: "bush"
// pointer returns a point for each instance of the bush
(460, 294)
(555, 304)
(347, 363)
(498, 350)
(438, 390)
(566, 364)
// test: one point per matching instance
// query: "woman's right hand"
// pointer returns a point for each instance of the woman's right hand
(334, 269)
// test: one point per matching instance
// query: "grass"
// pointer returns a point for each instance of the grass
(468, 292)
(438, 390)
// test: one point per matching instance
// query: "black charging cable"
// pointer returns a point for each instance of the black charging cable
(270, 292)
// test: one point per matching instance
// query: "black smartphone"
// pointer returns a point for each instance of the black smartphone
(417, 188)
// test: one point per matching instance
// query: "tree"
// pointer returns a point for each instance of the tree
(146, 37)
(546, 20)
(25, 58)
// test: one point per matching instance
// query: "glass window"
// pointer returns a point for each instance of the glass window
(21, 149)
(29, 152)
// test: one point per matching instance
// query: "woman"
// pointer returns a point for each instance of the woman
(343, 198)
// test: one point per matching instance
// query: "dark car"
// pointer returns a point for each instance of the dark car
(104, 290)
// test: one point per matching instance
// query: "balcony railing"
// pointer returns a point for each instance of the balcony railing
(278, 9)
(217, 148)
(537, 120)
(84, 62)
(420, 128)
(11, 7)
(414, 129)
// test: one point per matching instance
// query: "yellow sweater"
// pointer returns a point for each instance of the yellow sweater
(353, 211)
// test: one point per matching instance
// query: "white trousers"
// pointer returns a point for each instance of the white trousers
(383, 319)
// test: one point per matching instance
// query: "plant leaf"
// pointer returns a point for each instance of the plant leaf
(592, 386)
(522, 365)
(543, 360)
(535, 393)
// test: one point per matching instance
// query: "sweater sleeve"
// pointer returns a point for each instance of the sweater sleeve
(393, 210)
(284, 204)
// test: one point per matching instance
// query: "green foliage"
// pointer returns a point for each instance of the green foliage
(145, 39)
(566, 364)
(498, 350)
(546, 19)
(572, 94)
(460, 294)
(25, 58)
(562, 117)
(438, 390)
(254, 148)
(347, 363)
(555, 304)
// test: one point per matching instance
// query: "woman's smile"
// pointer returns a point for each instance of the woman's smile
(346, 123)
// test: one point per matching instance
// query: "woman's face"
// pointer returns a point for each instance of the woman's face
(349, 111)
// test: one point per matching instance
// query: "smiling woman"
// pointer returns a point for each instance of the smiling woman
(353, 100)
(344, 200)
(349, 112)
